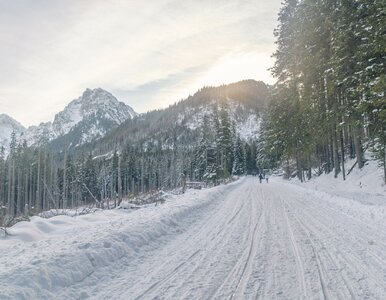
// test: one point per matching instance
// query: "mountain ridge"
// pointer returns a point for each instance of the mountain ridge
(245, 102)
(7, 126)
(92, 115)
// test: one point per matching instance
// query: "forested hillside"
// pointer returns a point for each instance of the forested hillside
(329, 101)
(103, 202)
(184, 118)
(206, 137)
(327, 106)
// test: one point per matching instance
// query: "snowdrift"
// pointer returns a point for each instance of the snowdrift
(44, 256)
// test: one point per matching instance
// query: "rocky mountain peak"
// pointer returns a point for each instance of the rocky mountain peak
(7, 126)
(86, 118)
(94, 103)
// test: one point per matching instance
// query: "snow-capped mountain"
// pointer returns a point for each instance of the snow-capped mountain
(7, 126)
(246, 119)
(86, 118)
(95, 104)
(244, 102)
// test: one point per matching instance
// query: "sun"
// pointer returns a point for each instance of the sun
(227, 69)
(236, 67)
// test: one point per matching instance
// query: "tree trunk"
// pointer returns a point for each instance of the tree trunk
(119, 182)
(299, 166)
(9, 206)
(331, 153)
(358, 146)
(142, 175)
(18, 199)
(309, 174)
(38, 200)
(44, 205)
(26, 200)
(343, 156)
(384, 160)
(13, 189)
(64, 195)
(335, 150)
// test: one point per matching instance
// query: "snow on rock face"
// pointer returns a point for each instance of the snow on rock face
(39, 134)
(249, 128)
(194, 119)
(246, 120)
(96, 111)
(96, 103)
(7, 126)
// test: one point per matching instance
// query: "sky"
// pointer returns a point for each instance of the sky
(148, 54)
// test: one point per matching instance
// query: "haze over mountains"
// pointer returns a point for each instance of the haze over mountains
(182, 123)
(97, 116)
(99, 147)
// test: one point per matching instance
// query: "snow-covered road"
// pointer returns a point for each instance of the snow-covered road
(241, 241)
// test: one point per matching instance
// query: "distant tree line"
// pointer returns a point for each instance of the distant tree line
(33, 179)
(328, 104)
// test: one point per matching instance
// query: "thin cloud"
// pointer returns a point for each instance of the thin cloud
(148, 54)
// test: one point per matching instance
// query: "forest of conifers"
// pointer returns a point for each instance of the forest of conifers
(146, 154)
(329, 103)
(327, 106)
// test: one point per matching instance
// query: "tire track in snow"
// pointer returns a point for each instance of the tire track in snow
(333, 263)
(241, 258)
(299, 263)
(221, 240)
(169, 276)
(215, 229)
(328, 258)
(345, 258)
(118, 272)
(322, 265)
(370, 230)
(319, 264)
(248, 259)
(241, 262)
(218, 239)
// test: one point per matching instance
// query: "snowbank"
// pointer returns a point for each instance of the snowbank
(44, 256)
(362, 194)
(366, 181)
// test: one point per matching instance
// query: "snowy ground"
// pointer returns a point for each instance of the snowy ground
(244, 240)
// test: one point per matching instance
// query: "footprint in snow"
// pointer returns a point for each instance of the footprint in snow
(106, 244)
(84, 246)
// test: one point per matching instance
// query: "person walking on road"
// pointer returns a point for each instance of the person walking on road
(260, 177)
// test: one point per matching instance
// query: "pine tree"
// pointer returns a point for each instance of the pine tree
(201, 153)
(90, 180)
(239, 161)
(328, 101)
(225, 143)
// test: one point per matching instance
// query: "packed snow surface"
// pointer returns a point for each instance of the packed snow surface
(245, 240)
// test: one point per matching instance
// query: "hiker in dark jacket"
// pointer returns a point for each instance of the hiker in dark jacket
(260, 177)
